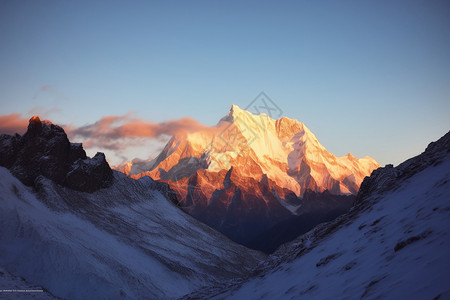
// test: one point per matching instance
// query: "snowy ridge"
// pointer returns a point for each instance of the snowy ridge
(126, 241)
(393, 244)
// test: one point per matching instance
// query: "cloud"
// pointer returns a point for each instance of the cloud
(121, 132)
(18, 123)
(13, 123)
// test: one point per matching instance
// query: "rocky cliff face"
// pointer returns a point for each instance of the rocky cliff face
(388, 178)
(44, 150)
(251, 172)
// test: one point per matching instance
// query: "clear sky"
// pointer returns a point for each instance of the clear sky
(367, 77)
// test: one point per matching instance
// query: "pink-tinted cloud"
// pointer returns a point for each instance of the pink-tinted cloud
(18, 123)
(120, 132)
(13, 123)
(115, 133)
(147, 129)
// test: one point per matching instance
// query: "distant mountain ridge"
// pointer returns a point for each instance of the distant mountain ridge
(250, 172)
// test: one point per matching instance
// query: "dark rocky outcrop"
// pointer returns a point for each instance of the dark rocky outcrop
(387, 178)
(89, 174)
(45, 150)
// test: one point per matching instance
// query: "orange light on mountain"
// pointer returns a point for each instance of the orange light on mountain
(35, 119)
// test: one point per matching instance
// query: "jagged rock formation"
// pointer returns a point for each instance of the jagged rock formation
(44, 150)
(387, 178)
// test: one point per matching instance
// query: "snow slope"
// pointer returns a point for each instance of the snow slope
(394, 244)
(126, 241)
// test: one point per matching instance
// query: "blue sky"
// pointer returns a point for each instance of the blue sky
(367, 77)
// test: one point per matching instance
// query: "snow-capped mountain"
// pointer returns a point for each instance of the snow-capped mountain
(120, 240)
(393, 244)
(284, 150)
(251, 173)
(95, 233)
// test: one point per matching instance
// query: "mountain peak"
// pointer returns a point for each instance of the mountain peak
(233, 114)
(35, 119)
(44, 150)
(251, 171)
(34, 126)
(234, 107)
(284, 149)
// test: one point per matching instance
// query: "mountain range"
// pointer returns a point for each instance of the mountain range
(251, 175)
(72, 228)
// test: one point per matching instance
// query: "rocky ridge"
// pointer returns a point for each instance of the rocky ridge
(44, 150)
(385, 179)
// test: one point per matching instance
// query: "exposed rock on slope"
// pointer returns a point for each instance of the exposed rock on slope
(45, 150)
(385, 179)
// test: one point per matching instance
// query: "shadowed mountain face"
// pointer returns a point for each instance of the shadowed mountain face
(251, 173)
(44, 150)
